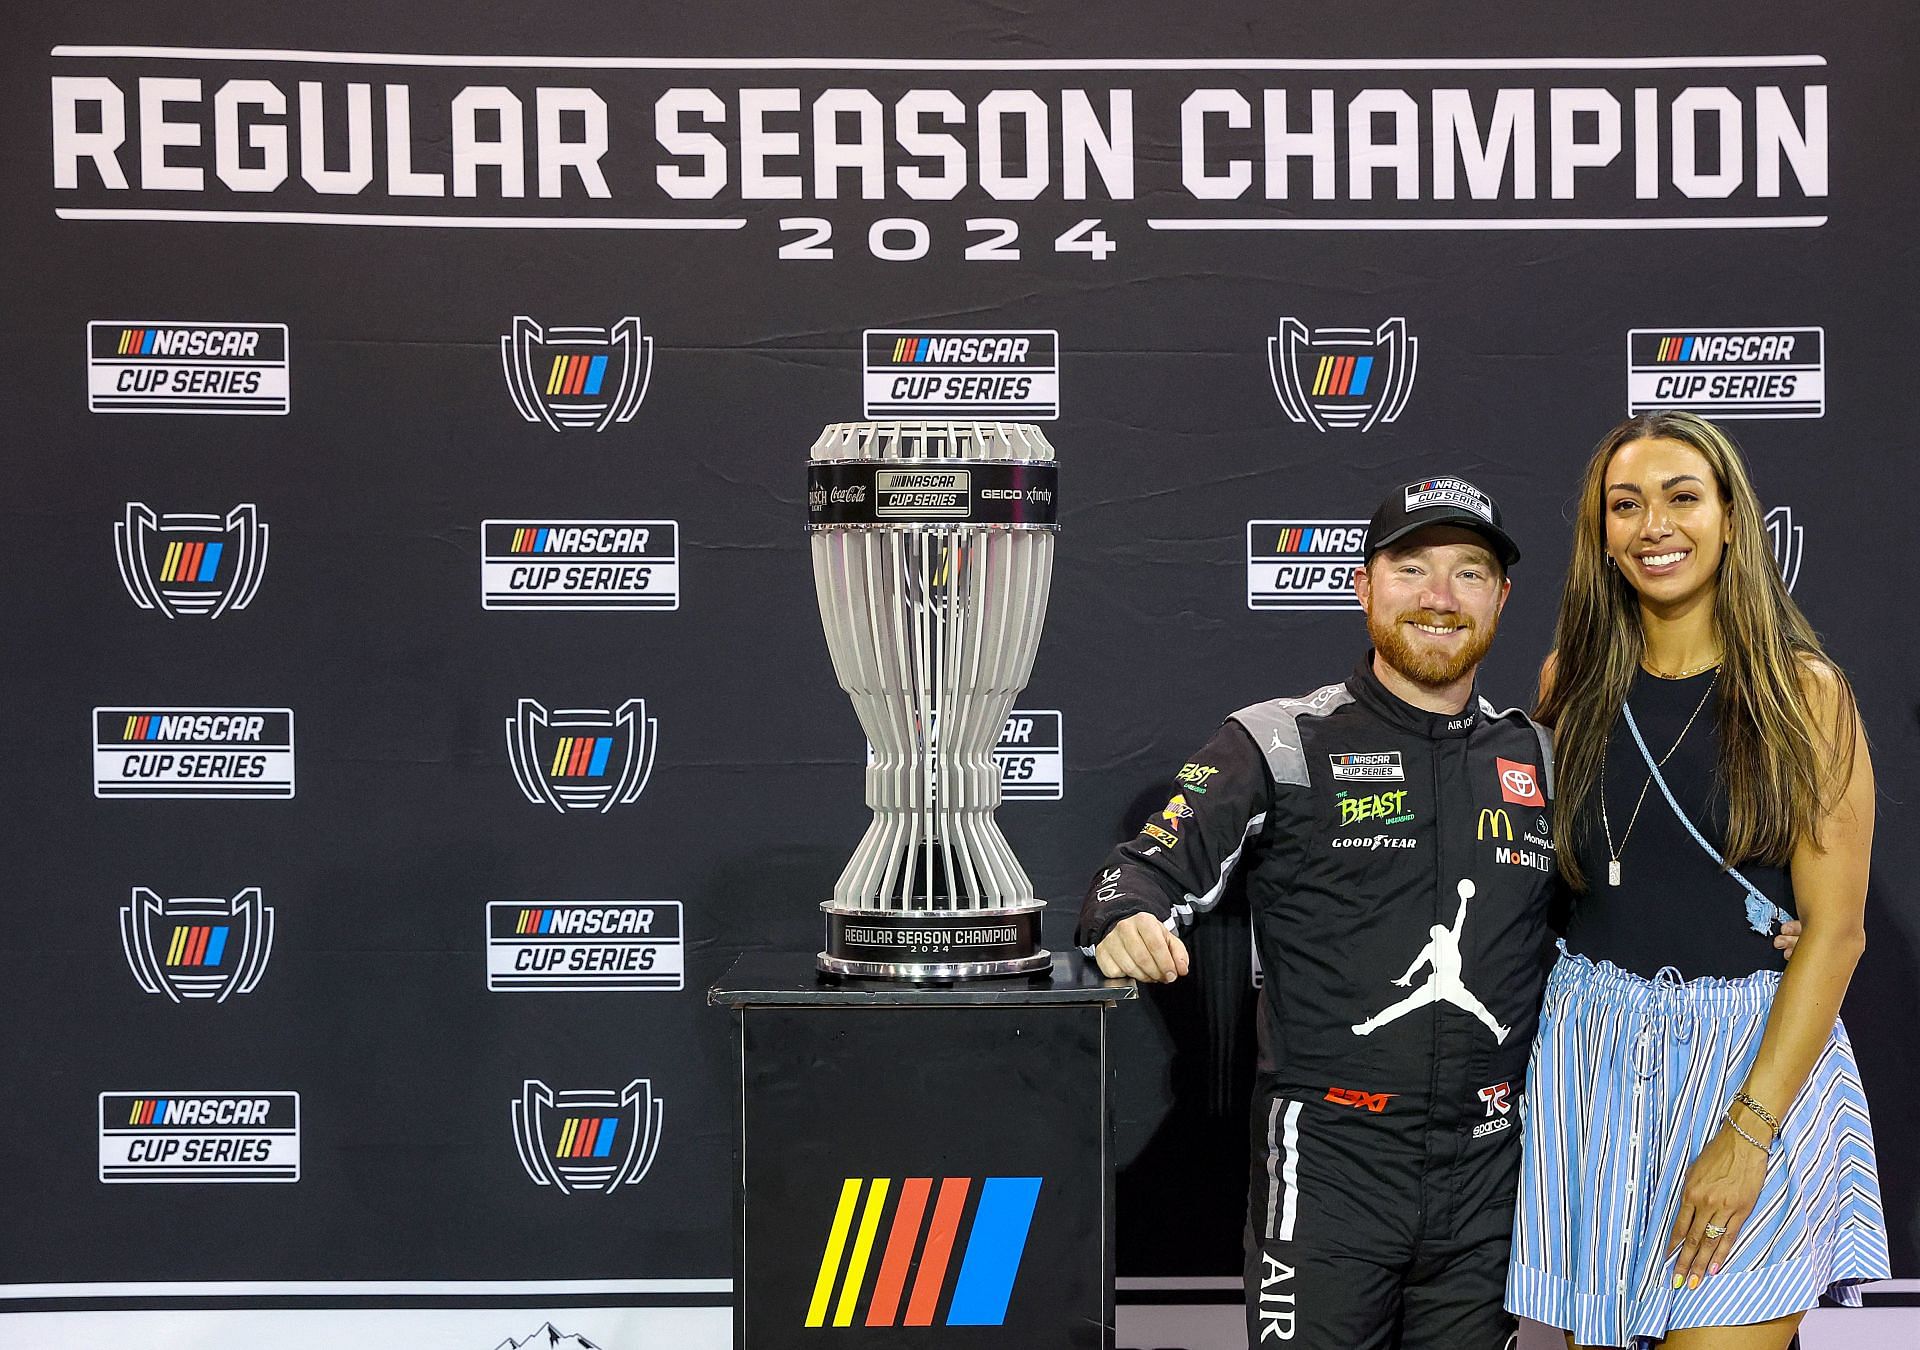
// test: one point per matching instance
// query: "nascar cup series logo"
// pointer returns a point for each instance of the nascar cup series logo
(582, 759)
(577, 378)
(587, 1141)
(1007, 373)
(576, 945)
(199, 1136)
(1343, 377)
(190, 564)
(197, 949)
(229, 368)
(580, 564)
(192, 752)
(1786, 539)
(1303, 564)
(1728, 372)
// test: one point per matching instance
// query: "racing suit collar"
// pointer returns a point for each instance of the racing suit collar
(1391, 708)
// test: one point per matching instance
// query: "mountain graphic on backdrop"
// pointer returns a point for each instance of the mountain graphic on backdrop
(548, 1337)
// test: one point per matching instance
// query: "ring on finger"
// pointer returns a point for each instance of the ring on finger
(1715, 1231)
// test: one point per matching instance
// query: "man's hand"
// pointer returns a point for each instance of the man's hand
(1788, 937)
(1141, 948)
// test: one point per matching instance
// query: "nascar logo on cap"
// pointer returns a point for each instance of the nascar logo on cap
(1449, 492)
(577, 378)
(1342, 377)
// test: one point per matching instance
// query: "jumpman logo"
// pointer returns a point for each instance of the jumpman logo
(1442, 953)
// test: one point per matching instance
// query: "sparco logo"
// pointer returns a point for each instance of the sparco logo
(917, 372)
(1786, 539)
(580, 564)
(192, 752)
(1303, 564)
(1728, 372)
(1343, 377)
(587, 1141)
(582, 759)
(199, 1136)
(577, 378)
(230, 368)
(197, 949)
(183, 564)
(573, 945)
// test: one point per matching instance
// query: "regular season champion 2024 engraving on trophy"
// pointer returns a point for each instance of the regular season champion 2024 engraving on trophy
(932, 553)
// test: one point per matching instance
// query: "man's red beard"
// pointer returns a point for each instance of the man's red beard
(1434, 669)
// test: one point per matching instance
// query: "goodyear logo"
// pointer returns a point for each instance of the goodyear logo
(575, 945)
(580, 564)
(229, 368)
(1303, 564)
(199, 1136)
(924, 1228)
(192, 752)
(998, 373)
(1728, 372)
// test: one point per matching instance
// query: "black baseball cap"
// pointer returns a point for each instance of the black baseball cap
(1439, 501)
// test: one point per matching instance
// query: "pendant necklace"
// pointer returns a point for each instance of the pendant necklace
(1606, 825)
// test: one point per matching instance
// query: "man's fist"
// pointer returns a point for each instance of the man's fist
(1141, 948)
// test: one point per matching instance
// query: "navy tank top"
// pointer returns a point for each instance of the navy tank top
(1674, 906)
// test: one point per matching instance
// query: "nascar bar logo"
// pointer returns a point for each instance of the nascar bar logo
(189, 564)
(575, 945)
(1343, 377)
(199, 1136)
(577, 378)
(227, 368)
(1032, 761)
(197, 949)
(579, 564)
(192, 752)
(990, 1233)
(587, 1141)
(1786, 539)
(582, 759)
(1303, 564)
(963, 372)
(1382, 766)
(1728, 372)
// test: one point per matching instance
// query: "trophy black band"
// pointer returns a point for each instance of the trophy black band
(932, 554)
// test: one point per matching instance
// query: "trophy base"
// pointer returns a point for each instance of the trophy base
(934, 944)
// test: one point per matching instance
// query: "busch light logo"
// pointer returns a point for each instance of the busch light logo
(1342, 377)
(191, 564)
(577, 377)
(1303, 564)
(197, 949)
(582, 759)
(220, 368)
(587, 1141)
(199, 1136)
(1786, 538)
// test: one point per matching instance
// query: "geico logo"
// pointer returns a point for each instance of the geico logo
(203, 342)
(1743, 347)
(217, 1111)
(606, 539)
(601, 921)
(976, 349)
(586, 960)
(215, 727)
(199, 1150)
(1000, 494)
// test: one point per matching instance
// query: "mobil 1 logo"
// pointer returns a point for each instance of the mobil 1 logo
(147, 751)
(1728, 372)
(1031, 759)
(579, 564)
(1303, 564)
(585, 945)
(158, 367)
(199, 1136)
(965, 372)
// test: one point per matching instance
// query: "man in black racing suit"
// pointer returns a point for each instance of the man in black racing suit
(1394, 832)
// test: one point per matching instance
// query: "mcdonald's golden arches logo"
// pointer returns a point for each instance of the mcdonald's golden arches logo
(1494, 823)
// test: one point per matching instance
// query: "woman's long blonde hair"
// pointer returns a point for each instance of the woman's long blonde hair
(1777, 769)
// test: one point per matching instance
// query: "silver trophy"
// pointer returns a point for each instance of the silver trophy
(932, 553)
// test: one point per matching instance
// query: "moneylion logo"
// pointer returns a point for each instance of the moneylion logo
(195, 949)
(582, 759)
(577, 378)
(192, 752)
(1343, 377)
(587, 1140)
(220, 368)
(190, 564)
(1786, 539)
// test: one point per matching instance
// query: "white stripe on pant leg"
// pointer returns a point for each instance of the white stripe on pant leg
(1291, 1172)
(1273, 1181)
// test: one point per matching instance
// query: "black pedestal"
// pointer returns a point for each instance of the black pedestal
(922, 1165)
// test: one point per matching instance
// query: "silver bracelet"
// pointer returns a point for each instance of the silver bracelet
(1734, 1125)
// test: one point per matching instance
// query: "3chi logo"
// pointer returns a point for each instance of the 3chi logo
(1785, 538)
(1343, 377)
(188, 564)
(582, 759)
(197, 949)
(993, 1238)
(575, 378)
(587, 1140)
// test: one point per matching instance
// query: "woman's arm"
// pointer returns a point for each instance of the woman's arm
(1829, 872)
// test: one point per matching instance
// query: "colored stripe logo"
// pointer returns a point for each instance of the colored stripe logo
(1676, 348)
(149, 1111)
(912, 350)
(1342, 376)
(142, 727)
(197, 944)
(198, 561)
(530, 540)
(581, 757)
(578, 374)
(587, 1137)
(982, 1282)
(137, 341)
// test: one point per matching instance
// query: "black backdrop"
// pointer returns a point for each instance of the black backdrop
(401, 438)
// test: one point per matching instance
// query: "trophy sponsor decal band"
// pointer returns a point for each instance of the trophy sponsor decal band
(932, 936)
(932, 492)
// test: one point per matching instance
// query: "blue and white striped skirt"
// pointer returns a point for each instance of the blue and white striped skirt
(1629, 1079)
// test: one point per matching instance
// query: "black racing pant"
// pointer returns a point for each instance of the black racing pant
(1375, 1223)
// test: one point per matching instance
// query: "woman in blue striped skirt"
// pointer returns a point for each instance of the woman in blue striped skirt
(1698, 1164)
